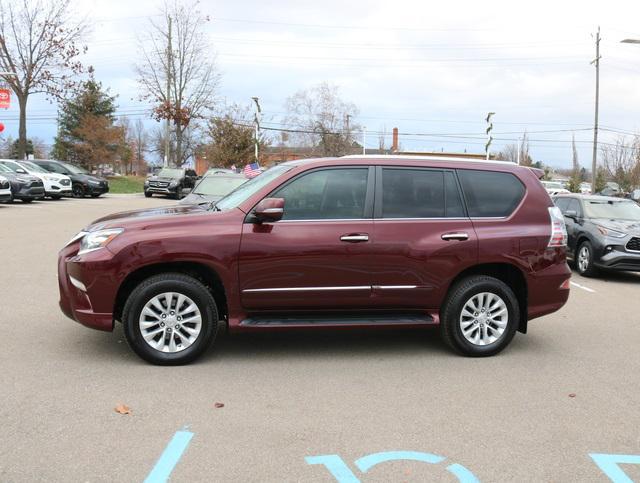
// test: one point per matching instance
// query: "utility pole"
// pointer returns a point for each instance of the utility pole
(489, 129)
(519, 149)
(364, 140)
(167, 127)
(594, 164)
(257, 117)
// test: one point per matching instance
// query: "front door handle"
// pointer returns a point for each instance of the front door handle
(355, 238)
(455, 236)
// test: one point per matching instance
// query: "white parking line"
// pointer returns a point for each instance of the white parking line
(583, 287)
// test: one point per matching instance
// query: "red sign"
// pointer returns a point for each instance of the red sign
(5, 98)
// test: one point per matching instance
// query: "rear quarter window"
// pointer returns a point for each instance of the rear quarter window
(490, 193)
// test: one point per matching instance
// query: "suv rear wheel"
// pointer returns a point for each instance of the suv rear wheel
(480, 316)
(170, 319)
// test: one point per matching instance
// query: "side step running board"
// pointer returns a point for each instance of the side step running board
(336, 321)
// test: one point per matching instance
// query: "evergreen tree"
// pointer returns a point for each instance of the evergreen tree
(86, 131)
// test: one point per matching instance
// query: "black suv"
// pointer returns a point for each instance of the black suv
(24, 187)
(83, 183)
(604, 232)
(174, 182)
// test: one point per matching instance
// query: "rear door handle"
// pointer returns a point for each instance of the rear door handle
(455, 236)
(355, 238)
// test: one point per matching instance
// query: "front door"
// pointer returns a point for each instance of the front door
(317, 257)
(423, 237)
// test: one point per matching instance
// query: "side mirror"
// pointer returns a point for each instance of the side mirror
(269, 209)
(20, 171)
(573, 214)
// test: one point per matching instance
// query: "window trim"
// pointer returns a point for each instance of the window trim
(368, 198)
(377, 209)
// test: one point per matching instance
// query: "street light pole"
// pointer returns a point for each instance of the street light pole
(594, 163)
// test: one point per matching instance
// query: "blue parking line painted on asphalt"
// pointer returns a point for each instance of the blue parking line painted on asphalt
(462, 473)
(609, 464)
(335, 465)
(170, 457)
(365, 463)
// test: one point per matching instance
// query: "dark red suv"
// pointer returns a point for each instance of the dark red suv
(476, 247)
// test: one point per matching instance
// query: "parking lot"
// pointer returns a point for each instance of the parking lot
(543, 410)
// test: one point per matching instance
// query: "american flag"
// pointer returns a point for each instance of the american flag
(252, 170)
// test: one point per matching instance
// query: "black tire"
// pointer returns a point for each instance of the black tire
(178, 283)
(458, 296)
(148, 194)
(77, 191)
(588, 269)
(27, 200)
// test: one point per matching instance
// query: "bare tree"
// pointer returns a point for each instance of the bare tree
(508, 153)
(575, 178)
(38, 42)
(322, 119)
(621, 161)
(178, 72)
(140, 141)
(382, 139)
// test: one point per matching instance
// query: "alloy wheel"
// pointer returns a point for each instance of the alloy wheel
(484, 318)
(583, 259)
(170, 322)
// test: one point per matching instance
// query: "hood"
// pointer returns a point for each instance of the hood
(624, 226)
(17, 177)
(124, 218)
(83, 178)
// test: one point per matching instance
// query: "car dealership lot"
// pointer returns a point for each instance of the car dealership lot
(535, 412)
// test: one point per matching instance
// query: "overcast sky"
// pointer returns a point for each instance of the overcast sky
(432, 69)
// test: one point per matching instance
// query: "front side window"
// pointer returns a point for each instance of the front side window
(325, 194)
(490, 194)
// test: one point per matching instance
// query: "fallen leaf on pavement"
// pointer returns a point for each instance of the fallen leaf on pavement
(123, 409)
(218, 405)
(572, 395)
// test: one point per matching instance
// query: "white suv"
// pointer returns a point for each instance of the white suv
(55, 185)
(5, 190)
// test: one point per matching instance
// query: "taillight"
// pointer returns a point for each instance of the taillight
(558, 229)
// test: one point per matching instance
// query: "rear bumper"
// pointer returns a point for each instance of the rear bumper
(76, 300)
(546, 293)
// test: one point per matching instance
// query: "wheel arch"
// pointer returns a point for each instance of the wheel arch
(202, 272)
(507, 273)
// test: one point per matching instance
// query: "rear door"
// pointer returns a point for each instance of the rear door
(318, 256)
(423, 236)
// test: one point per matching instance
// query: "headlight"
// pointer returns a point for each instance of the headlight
(609, 232)
(98, 239)
(50, 178)
(91, 181)
(146, 182)
(22, 179)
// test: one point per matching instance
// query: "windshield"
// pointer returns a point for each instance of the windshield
(74, 169)
(613, 210)
(247, 189)
(33, 167)
(11, 166)
(218, 185)
(170, 173)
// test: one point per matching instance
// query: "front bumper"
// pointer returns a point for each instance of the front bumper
(618, 258)
(84, 297)
(162, 191)
(4, 197)
(94, 189)
(30, 193)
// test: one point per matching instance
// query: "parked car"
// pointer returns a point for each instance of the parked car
(476, 247)
(585, 188)
(23, 186)
(173, 182)
(554, 188)
(603, 232)
(55, 185)
(5, 190)
(213, 187)
(83, 183)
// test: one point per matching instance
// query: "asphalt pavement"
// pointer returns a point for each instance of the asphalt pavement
(561, 404)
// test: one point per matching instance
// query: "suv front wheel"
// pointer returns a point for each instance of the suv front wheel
(480, 317)
(170, 319)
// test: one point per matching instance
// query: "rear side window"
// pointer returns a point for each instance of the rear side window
(490, 193)
(412, 193)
